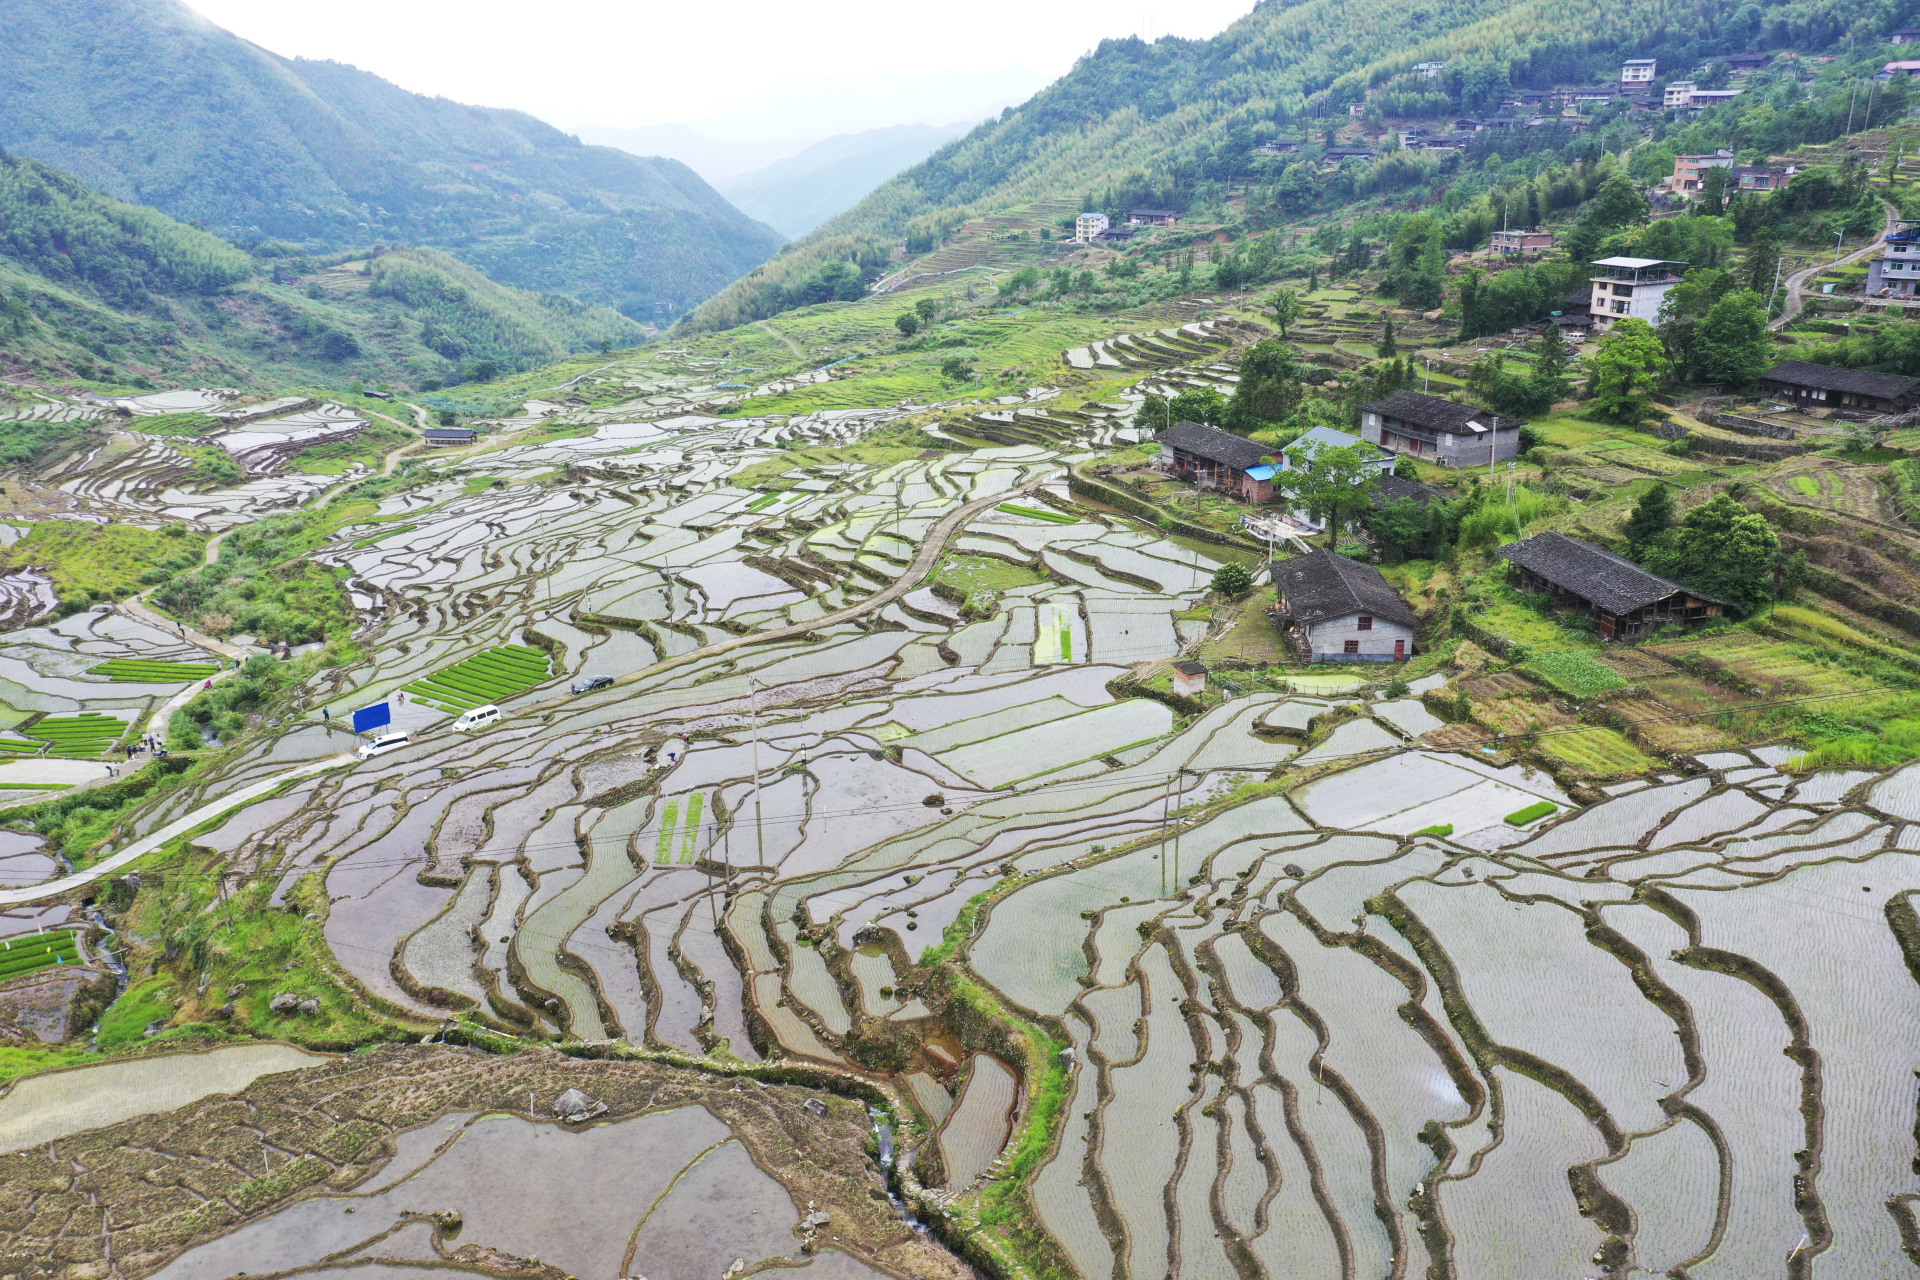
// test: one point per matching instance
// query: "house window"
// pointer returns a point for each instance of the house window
(1352, 646)
(1366, 623)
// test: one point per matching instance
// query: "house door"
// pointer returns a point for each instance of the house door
(1399, 650)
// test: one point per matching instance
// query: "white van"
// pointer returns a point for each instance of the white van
(476, 718)
(381, 745)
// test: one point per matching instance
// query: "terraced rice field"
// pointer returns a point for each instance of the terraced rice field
(151, 671)
(83, 736)
(1337, 1001)
(23, 955)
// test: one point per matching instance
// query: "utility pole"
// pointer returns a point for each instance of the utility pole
(1777, 264)
(1176, 836)
(759, 827)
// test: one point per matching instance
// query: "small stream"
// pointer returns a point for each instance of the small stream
(883, 1136)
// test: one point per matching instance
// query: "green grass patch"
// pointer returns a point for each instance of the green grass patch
(1538, 809)
(1601, 752)
(383, 535)
(126, 1020)
(87, 734)
(1576, 673)
(1517, 622)
(983, 578)
(37, 951)
(18, 1060)
(1806, 485)
(177, 424)
(89, 562)
(1034, 513)
(1440, 829)
(152, 670)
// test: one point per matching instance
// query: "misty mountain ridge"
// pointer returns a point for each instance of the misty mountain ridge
(798, 193)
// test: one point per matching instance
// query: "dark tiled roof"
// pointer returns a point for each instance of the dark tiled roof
(1612, 582)
(1191, 668)
(1322, 585)
(1825, 377)
(451, 433)
(1436, 414)
(1392, 488)
(1214, 445)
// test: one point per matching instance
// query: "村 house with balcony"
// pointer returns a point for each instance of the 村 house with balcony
(1635, 287)
(1690, 171)
(1894, 273)
(1427, 427)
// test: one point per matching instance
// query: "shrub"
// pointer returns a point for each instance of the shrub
(1232, 581)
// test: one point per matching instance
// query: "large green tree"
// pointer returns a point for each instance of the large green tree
(1732, 345)
(1725, 550)
(1326, 480)
(1269, 390)
(1651, 519)
(1284, 307)
(1624, 371)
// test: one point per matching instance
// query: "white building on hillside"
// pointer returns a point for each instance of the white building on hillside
(1088, 226)
(1638, 71)
(1635, 287)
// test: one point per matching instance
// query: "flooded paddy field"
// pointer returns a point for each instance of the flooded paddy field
(875, 809)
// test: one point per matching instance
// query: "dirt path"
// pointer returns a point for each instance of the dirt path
(1797, 283)
(791, 344)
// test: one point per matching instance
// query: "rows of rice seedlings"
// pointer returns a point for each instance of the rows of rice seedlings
(83, 736)
(20, 956)
(489, 677)
(152, 670)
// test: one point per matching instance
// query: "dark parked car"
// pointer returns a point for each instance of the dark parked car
(590, 684)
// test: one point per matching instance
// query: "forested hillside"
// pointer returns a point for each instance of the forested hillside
(150, 103)
(1175, 122)
(93, 287)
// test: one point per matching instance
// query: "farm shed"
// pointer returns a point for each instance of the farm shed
(1625, 600)
(443, 436)
(1334, 609)
(1216, 459)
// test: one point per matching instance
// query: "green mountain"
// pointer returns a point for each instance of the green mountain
(1175, 122)
(149, 102)
(96, 288)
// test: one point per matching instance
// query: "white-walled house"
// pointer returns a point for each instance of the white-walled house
(1339, 610)
(1631, 287)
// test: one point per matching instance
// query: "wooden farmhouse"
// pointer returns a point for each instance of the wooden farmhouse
(1624, 600)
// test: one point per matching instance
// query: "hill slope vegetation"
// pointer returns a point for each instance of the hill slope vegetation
(151, 103)
(94, 287)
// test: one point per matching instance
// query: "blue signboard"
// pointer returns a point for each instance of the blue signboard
(372, 717)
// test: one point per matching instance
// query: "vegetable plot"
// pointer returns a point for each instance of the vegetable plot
(492, 676)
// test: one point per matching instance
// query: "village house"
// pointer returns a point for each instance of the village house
(1759, 178)
(1749, 61)
(441, 437)
(1905, 35)
(1088, 226)
(1215, 459)
(1453, 435)
(1895, 272)
(1676, 93)
(1332, 609)
(1701, 99)
(1853, 393)
(1300, 454)
(1278, 147)
(1624, 600)
(1152, 218)
(1631, 287)
(1688, 171)
(1907, 67)
(1638, 71)
(1338, 154)
(1522, 240)
(1115, 235)
(1189, 679)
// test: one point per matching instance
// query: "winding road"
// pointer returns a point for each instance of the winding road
(1797, 283)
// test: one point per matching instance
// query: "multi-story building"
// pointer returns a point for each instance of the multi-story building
(1896, 272)
(1522, 240)
(1689, 170)
(1638, 71)
(1758, 178)
(1428, 69)
(1088, 226)
(1634, 287)
(1676, 93)
(1453, 435)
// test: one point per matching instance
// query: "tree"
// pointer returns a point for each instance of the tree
(1403, 528)
(1329, 479)
(1550, 356)
(1200, 404)
(1713, 190)
(1405, 468)
(1652, 518)
(1763, 261)
(1469, 295)
(1232, 580)
(1725, 550)
(1284, 307)
(447, 417)
(955, 369)
(1269, 390)
(1622, 374)
(1731, 345)
(1388, 347)
(1154, 414)
(907, 323)
(926, 309)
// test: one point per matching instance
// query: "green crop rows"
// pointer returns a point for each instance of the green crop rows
(1576, 673)
(152, 671)
(39, 951)
(1538, 809)
(493, 676)
(87, 734)
(1034, 513)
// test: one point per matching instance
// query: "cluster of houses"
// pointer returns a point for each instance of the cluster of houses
(1335, 609)
(1689, 175)
(1089, 228)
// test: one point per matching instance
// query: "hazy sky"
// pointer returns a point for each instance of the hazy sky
(615, 63)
